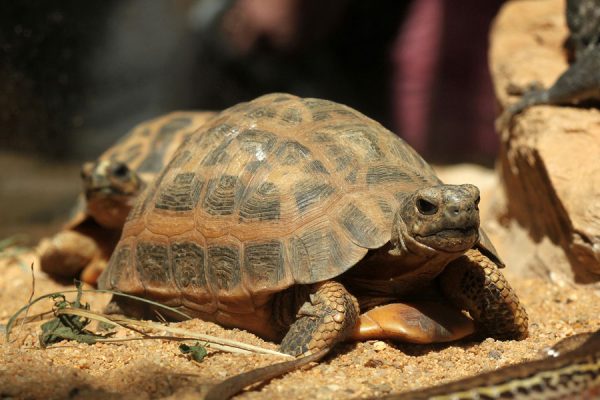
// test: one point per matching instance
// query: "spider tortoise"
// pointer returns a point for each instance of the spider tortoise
(304, 221)
(110, 186)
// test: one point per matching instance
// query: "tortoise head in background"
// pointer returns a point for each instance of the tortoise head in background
(110, 189)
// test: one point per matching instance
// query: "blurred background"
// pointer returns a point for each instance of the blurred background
(75, 76)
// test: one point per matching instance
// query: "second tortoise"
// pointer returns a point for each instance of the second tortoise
(110, 186)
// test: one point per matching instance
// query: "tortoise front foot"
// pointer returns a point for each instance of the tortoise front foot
(475, 283)
(67, 253)
(327, 318)
(92, 271)
(425, 322)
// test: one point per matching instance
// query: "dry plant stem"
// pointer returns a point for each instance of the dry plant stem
(25, 319)
(213, 342)
(14, 319)
(235, 384)
(30, 296)
(36, 317)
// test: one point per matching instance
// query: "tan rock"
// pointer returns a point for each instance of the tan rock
(550, 156)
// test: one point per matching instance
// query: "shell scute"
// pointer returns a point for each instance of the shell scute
(291, 152)
(120, 266)
(261, 112)
(263, 264)
(221, 195)
(156, 158)
(310, 193)
(180, 194)
(361, 138)
(189, 266)
(318, 252)
(152, 262)
(261, 204)
(257, 142)
(291, 116)
(385, 173)
(224, 271)
(366, 221)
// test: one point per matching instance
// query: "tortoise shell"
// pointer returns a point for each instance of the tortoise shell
(149, 146)
(270, 193)
(133, 162)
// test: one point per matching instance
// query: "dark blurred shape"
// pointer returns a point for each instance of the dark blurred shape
(44, 46)
(443, 96)
(76, 75)
(338, 50)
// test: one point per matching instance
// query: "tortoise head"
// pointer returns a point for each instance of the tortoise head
(110, 188)
(444, 218)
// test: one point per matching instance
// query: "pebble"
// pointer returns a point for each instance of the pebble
(373, 363)
(379, 345)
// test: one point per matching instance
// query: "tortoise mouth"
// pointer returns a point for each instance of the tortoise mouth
(106, 191)
(451, 240)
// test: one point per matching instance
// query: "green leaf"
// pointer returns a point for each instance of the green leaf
(13, 319)
(54, 331)
(67, 327)
(197, 352)
(105, 326)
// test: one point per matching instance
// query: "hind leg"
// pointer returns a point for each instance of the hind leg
(324, 320)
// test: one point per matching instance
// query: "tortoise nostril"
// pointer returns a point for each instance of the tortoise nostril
(426, 207)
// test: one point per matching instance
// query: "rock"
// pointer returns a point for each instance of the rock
(494, 354)
(550, 156)
(379, 345)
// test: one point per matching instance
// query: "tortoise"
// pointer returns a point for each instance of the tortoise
(306, 222)
(110, 186)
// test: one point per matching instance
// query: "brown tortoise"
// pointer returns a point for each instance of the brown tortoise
(110, 186)
(303, 220)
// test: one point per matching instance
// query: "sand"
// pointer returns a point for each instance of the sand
(156, 369)
(147, 369)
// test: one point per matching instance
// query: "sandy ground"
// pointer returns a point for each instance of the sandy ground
(35, 195)
(147, 369)
(156, 369)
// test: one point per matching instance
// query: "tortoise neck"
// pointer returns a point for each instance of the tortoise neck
(111, 211)
(389, 273)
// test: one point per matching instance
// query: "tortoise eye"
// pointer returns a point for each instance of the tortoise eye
(426, 207)
(478, 199)
(121, 171)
